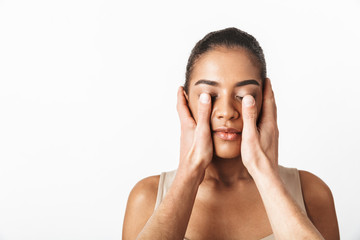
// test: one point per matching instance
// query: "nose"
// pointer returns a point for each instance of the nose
(225, 109)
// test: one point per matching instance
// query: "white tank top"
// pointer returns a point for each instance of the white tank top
(289, 176)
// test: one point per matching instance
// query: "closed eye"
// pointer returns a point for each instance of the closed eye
(240, 98)
(213, 97)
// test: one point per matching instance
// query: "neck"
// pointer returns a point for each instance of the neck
(226, 171)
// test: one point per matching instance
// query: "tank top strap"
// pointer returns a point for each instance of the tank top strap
(165, 181)
(291, 180)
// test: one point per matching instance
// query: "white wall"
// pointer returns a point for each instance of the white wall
(88, 94)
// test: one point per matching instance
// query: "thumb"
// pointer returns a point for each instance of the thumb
(249, 113)
(204, 109)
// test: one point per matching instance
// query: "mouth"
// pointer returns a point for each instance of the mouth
(227, 134)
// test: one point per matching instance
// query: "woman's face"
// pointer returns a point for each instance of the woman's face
(227, 75)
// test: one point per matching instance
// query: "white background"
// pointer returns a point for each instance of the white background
(88, 96)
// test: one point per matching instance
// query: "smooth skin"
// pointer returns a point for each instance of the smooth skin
(229, 189)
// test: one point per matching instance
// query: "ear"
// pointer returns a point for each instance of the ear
(187, 101)
(186, 96)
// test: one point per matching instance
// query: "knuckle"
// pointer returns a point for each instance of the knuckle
(250, 115)
(201, 111)
(186, 125)
(198, 132)
(203, 114)
(271, 99)
(275, 131)
(191, 125)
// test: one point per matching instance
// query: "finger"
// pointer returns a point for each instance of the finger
(269, 111)
(204, 110)
(183, 109)
(249, 115)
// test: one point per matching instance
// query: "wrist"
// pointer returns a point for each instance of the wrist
(190, 173)
(262, 167)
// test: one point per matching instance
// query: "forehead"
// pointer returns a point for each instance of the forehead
(226, 66)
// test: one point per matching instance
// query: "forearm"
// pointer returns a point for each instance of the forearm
(287, 220)
(171, 218)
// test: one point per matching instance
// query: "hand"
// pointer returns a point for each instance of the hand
(262, 140)
(196, 147)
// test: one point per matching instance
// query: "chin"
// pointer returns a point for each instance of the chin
(227, 149)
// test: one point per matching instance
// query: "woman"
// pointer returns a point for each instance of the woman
(228, 184)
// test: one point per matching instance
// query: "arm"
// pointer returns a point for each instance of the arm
(171, 218)
(286, 218)
(319, 203)
(259, 151)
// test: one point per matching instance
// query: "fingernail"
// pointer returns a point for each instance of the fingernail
(248, 101)
(204, 98)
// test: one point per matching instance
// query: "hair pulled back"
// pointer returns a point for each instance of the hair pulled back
(228, 37)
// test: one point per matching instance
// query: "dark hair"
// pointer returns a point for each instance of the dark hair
(228, 37)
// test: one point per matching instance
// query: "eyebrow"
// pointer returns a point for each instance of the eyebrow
(238, 84)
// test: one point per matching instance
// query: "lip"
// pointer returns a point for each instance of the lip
(226, 130)
(227, 134)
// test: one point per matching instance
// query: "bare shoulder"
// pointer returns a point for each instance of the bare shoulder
(319, 203)
(315, 190)
(145, 191)
(140, 206)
